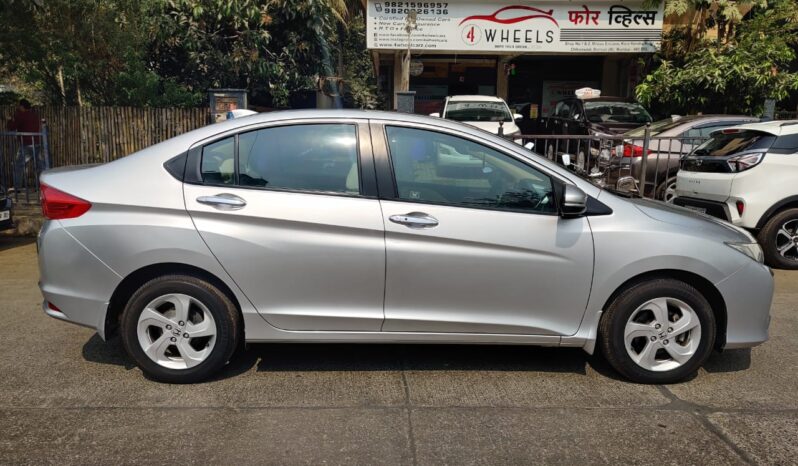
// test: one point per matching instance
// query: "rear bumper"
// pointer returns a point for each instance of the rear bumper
(716, 209)
(5, 206)
(748, 294)
(73, 279)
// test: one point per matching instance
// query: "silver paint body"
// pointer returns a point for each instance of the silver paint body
(319, 268)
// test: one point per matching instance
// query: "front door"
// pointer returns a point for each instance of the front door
(474, 243)
(284, 209)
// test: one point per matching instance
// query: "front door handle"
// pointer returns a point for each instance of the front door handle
(223, 201)
(415, 220)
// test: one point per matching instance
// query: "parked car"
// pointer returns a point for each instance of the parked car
(6, 219)
(747, 175)
(673, 138)
(604, 117)
(319, 226)
(484, 112)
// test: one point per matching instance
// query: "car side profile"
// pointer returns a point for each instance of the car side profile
(353, 226)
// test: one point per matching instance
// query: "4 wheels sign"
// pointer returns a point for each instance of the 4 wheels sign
(518, 27)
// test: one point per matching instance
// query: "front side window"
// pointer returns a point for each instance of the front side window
(477, 111)
(315, 157)
(438, 168)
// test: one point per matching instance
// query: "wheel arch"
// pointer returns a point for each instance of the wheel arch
(704, 286)
(133, 281)
(784, 204)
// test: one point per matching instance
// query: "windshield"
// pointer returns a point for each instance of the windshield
(726, 143)
(616, 112)
(477, 111)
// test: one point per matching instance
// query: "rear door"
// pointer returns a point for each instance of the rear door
(473, 240)
(291, 213)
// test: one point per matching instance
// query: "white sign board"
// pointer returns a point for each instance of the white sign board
(612, 26)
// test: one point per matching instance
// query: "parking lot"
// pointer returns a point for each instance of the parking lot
(67, 397)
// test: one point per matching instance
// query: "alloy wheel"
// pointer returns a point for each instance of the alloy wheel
(670, 192)
(176, 331)
(662, 334)
(787, 240)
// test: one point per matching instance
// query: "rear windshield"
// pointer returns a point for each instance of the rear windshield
(656, 127)
(616, 112)
(725, 143)
(478, 111)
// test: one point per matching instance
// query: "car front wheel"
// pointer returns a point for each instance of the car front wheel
(657, 331)
(180, 329)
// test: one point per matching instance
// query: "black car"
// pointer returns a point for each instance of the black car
(602, 117)
(5, 210)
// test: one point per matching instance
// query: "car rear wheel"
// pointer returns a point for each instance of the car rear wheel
(180, 329)
(779, 240)
(657, 331)
(666, 191)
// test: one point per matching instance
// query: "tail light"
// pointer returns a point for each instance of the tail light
(633, 150)
(743, 162)
(58, 205)
(740, 207)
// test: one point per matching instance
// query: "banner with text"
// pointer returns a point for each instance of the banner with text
(518, 27)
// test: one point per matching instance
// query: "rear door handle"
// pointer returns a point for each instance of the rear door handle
(415, 220)
(223, 201)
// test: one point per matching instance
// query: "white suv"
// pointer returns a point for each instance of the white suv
(748, 175)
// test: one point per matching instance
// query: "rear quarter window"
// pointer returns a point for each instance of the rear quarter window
(787, 144)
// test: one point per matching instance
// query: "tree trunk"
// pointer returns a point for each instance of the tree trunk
(59, 76)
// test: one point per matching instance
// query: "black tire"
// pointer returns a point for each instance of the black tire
(769, 239)
(662, 189)
(613, 323)
(229, 328)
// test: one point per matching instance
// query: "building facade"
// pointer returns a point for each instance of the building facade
(527, 52)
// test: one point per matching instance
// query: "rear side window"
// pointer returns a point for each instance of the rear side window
(787, 144)
(319, 157)
(725, 144)
(218, 162)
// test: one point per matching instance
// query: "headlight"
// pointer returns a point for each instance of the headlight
(752, 250)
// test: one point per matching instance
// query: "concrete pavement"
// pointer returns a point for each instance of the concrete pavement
(67, 397)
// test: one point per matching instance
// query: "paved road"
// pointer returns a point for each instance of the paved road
(67, 397)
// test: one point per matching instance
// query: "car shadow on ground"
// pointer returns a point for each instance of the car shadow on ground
(293, 357)
(11, 242)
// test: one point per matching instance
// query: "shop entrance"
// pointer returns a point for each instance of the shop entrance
(446, 76)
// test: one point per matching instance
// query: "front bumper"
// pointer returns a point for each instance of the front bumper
(748, 294)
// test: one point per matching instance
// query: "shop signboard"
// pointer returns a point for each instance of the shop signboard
(479, 26)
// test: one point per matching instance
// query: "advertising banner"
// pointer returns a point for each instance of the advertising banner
(484, 26)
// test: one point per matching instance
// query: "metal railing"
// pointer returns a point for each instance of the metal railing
(617, 161)
(23, 156)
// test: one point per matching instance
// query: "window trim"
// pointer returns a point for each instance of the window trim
(364, 153)
(389, 190)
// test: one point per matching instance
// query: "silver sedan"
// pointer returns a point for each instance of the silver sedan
(349, 226)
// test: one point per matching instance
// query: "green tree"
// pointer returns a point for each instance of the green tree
(729, 75)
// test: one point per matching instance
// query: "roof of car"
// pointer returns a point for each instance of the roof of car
(774, 127)
(475, 98)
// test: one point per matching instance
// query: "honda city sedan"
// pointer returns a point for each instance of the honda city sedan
(352, 226)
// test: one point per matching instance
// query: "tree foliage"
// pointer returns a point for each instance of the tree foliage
(170, 52)
(730, 74)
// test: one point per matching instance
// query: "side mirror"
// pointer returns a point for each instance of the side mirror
(627, 184)
(573, 202)
(517, 117)
(436, 115)
(566, 159)
(529, 145)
